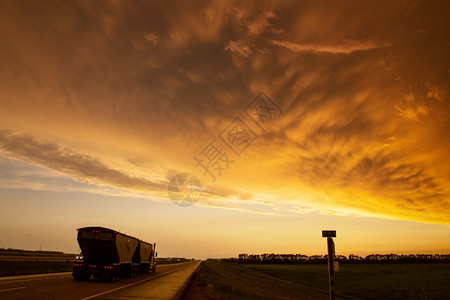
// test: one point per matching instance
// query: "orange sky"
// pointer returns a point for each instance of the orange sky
(109, 100)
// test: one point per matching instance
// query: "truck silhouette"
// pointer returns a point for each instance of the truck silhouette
(109, 255)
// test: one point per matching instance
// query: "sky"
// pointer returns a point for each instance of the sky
(292, 116)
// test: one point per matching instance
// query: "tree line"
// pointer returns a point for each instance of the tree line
(272, 258)
(18, 252)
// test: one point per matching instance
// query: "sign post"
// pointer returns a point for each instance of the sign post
(330, 234)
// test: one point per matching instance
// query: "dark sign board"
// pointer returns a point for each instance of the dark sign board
(328, 233)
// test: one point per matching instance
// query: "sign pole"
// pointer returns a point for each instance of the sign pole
(329, 234)
(330, 244)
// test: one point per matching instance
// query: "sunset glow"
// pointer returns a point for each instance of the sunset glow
(103, 102)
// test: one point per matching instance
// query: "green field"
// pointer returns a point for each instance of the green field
(11, 268)
(227, 280)
(371, 281)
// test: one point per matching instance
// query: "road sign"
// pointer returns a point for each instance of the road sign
(329, 233)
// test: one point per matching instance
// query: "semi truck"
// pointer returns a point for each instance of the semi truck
(110, 255)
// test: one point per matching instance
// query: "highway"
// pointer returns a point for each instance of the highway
(62, 286)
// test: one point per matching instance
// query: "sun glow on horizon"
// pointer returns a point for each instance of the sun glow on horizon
(291, 115)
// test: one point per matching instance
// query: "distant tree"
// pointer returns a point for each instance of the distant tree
(272, 258)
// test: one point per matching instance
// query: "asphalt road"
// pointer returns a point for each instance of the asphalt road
(62, 285)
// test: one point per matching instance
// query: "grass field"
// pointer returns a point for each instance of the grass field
(215, 280)
(371, 281)
(22, 262)
(22, 267)
(220, 280)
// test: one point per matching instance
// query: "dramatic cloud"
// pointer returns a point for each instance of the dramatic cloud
(346, 47)
(411, 110)
(126, 94)
(65, 160)
(152, 38)
(239, 47)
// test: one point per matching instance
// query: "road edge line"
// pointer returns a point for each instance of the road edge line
(32, 276)
(13, 289)
(186, 283)
(134, 283)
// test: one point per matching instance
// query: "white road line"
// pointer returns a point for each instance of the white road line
(13, 289)
(33, 276)
(134, 283)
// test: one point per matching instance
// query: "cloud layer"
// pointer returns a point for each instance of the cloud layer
(125, 94)
(69, 162)
(346, 47)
